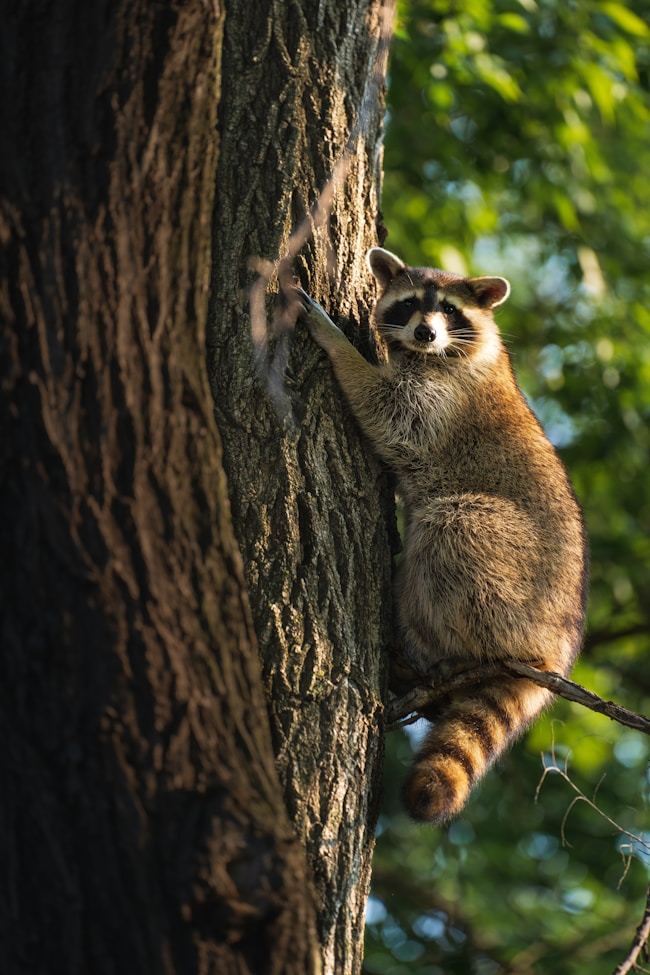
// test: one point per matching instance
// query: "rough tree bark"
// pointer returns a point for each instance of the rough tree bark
(309, 505)
(142, 825)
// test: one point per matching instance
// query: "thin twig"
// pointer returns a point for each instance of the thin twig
(400, 711)
(405, 710)
(636, 841)
(597, 637)
(640, 942)
(568, 689)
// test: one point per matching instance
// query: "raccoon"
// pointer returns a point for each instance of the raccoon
(494, 560)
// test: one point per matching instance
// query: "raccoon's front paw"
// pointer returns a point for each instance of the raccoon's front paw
(320, 326)
(423, 691)
(311, 308)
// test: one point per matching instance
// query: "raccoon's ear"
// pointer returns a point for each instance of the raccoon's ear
(489, 292)
(384, 265)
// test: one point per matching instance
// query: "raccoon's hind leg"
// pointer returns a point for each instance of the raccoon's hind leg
(404, 678)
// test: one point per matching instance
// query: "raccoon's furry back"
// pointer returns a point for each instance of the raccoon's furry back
(468, 735)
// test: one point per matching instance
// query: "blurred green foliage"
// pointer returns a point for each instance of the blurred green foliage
(518, 143)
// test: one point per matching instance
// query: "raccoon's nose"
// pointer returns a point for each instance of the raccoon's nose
(423, 333)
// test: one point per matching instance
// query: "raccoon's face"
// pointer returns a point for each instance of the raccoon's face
(436, 313)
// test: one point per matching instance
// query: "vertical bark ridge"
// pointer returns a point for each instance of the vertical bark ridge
(309, 503)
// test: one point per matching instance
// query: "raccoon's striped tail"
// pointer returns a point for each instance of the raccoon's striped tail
(468, 735)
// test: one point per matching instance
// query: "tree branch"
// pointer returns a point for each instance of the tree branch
(406, 709)
(598, 637)
(640, 942)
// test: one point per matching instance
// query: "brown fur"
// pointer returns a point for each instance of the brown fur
(494, 558)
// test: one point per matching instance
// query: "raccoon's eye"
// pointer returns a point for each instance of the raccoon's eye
(400, 313)
(448, 309)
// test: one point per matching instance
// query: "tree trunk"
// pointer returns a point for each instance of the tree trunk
(309, 503)
(142, 825)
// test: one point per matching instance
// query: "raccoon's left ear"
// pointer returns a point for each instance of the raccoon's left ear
(384, 265)
(489, 292)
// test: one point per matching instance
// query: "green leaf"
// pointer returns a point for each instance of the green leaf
(626, 19)
(514, 22)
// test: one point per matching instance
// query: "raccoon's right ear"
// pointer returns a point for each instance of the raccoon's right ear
(384, 265)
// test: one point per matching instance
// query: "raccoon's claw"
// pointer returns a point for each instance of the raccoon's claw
(303, 298)
(320, 326)
(313, 311)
